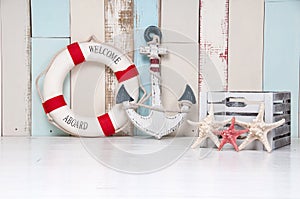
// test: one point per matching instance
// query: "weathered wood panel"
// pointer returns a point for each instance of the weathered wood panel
(87, 80)
(16, 87)
(213, 64)
(119, 33)
(146, 13)
(245, 61)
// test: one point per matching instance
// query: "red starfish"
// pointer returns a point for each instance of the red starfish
(229, 135)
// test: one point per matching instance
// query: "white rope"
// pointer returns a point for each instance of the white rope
(136, 105)
(145, 99)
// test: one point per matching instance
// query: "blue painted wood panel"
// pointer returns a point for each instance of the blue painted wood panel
(43, 50)
(146, 14)
(50, 18)
(282, 51)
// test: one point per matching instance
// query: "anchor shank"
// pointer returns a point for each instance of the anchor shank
(154, 51)
(155, 82)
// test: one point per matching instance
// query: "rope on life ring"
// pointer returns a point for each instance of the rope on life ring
(60, 115)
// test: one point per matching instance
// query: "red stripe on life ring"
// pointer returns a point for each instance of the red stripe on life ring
(126, 74)
(76, 53)
(54, 103)
(106, 125)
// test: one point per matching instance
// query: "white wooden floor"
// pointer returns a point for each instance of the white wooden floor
(67, 167)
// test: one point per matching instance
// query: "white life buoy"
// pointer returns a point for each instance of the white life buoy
(53, 100)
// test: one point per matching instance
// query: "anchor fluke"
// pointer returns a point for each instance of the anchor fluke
(123, 96)
(188, 95)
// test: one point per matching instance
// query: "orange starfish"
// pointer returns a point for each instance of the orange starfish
(229, 135)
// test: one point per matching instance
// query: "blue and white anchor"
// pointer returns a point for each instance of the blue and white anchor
(157, 123)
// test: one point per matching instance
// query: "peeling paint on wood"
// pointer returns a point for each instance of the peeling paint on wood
(213, 64)
(119, 33)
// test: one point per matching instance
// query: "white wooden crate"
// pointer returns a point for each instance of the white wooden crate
(244, 106)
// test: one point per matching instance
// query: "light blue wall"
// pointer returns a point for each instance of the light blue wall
(146, 14)
(282, 51)
(43, 50)
(50, 18)
(50, 33)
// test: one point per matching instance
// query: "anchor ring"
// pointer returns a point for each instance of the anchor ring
(150, 31)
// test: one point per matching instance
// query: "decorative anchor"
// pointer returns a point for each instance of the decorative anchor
(157, 123)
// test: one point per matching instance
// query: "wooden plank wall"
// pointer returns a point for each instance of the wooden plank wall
(15, 78)
(204, 37)
(50, 34)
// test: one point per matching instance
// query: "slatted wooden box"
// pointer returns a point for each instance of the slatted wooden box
(244, 106)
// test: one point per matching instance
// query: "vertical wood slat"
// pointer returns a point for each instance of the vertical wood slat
(50, 34)
(119, 33)
(40, 60)
(87, 80)
(1, 70)
(146, 13)
(282, 52)
(180, 27)
(16, 87)
(180, 21)
(213, 63)
(245, 61)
